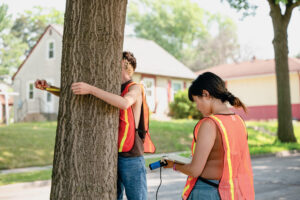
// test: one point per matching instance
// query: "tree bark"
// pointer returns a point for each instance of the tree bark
(285, 130)
(85, 157)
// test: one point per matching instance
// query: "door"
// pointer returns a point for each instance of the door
(149, 85)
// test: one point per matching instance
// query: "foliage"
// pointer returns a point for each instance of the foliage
(11, 53)
(182, 107)
(183, 29)
(214, 50)
(4, 17)
(29, 25)
(18, 37)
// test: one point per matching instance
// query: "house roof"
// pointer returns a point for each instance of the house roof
(151, 58)
(250, 68)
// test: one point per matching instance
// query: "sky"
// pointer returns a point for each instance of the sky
(255, 33)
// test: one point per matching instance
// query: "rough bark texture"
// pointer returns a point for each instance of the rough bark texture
(280, 42)
(85, 158)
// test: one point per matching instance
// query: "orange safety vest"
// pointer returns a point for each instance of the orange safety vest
(237, 178)
(127, 126)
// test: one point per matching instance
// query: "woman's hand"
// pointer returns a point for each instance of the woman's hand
(41, 84)
(170, 164)
(81, 88)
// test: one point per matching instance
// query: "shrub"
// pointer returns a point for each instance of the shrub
(182, 107)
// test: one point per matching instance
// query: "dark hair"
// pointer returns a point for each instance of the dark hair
(216, 88)
(130, 58)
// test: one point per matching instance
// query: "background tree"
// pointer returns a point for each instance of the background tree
(185, 30)
(280, 12)
(4, 17)
(85, 157)
(213, 49)
(11, 48)
(11, 54)
(29, 25)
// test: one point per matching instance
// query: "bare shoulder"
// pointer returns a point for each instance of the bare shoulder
(136, 88)
(208, 128)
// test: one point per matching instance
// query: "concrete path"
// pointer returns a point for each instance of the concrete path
(274, 178)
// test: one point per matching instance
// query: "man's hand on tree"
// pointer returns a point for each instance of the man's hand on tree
(81, 88)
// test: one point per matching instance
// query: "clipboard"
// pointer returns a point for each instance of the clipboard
(53, 89)
(177, 159)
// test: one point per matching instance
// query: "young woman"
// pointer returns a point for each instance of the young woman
(221, 165)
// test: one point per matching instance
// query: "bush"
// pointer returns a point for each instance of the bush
(182, 107)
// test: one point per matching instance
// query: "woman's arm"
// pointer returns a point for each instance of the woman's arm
(120, 102)
(205, 141)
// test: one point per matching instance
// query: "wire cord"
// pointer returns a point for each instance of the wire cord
(159, 183)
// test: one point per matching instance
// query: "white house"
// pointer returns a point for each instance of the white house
(161, 74)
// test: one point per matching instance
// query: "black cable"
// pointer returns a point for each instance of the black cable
(159, 183)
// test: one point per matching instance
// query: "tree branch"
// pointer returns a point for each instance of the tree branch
(289, 8)
(272, 3)
(275, 8)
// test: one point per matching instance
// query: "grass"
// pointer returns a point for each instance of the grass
(263, 143)
(25, 177)
(27, 144)
(41, 175)
(32, 144)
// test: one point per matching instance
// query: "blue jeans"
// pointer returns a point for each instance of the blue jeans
(132, 178)
(203, 191)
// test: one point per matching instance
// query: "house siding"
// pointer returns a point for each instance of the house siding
(48, 69)
(260, 96)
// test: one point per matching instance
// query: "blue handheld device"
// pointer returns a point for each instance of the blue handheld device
(158, 164)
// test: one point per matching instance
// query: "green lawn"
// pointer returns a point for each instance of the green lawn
(27, 144)
(32, 144)
(25, 177)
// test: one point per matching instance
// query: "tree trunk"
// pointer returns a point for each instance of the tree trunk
(85, 157)
(285, 130)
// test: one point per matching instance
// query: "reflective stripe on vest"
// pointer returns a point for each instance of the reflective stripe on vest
(126, 126)
(125, 132)
(237, 180)
(220, 125)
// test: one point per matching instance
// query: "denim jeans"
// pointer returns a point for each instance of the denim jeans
(132, 178)
(203, 191)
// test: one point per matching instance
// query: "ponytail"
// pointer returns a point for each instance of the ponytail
(235, 101)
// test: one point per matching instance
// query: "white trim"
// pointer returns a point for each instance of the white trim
(49, 41)
(28, 88)
(255, 76)
(150, 99)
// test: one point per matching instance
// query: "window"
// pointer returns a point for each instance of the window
(51, 50)
(176, 86)
(30, 91)
(49, 97)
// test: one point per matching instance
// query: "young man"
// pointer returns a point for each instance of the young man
(131, 163)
